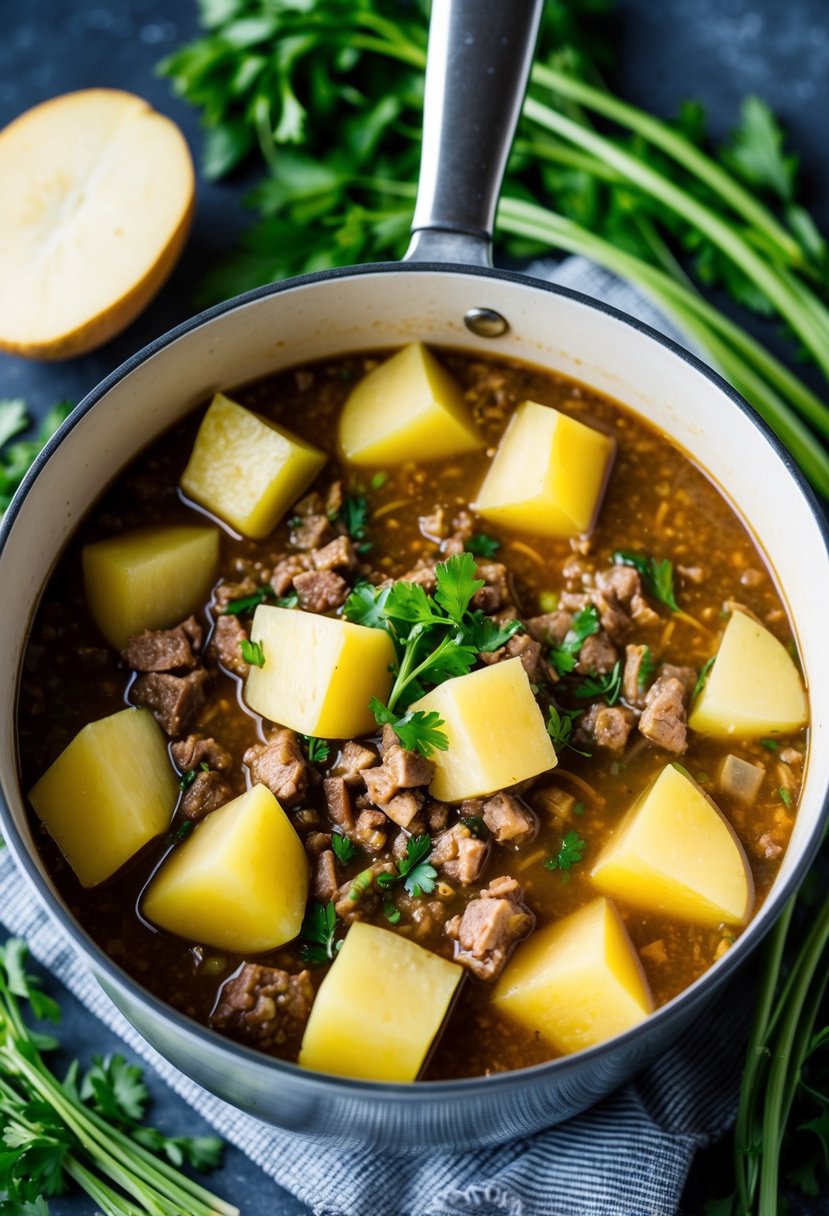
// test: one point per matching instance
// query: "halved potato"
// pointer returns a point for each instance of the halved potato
(319, 672)
(495, 729)
(753, 689)
(96, 199)
(149, 578)
(675, 854)
(238, 882)
(109, 792)
(548, 474)
(247, 470)
(379, 1008)
(408, 408)
(576, 982)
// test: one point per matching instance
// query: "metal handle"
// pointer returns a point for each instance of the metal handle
(480, 53)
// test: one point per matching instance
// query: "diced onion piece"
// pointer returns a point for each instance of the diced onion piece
(740, 780)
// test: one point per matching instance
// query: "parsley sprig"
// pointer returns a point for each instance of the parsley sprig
(435, 638)
(560, 725)
(570, 853)
(608, 686)
(88, 1128)
(318, 933)
(252, 652)
(317, 750)
(413, 870)
(345, 850)
(16, 458)
(657, 575)
(565, 655)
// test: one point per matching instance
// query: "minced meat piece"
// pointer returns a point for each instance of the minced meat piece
(550, 627)
(338, 554)
(490, 926)
(495, 592)
(436, 815)
(642, 612)
(614, 620)
(321, 590)
(189, 753)
(687, 676)
(509, 820)
(623, 582)
(207, 793)
(352, 762)
(316, 843)
(175, 700)
(312, 533)
(264, 1006)
(663, 719)
(334, 499)
(225, 592)
(597, 656)
(165, 649)
(423, 575)
(324, 881)
(632, 683)
(280, 765)
(435, 525)
(286, 570)
(401, 770)
(370, 831)
(226, 644)
(338, 801)
(520, 646)
(607, 726)
(459, 854)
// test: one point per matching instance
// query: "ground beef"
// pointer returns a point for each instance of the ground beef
(632, 685)
(607, 726)
(622, 582)
(597, 656)
(225, 592)
(490, 926)
(312, 533)
(264, 1006)
(352, 762)
(422, 574)
(189, 753)
(663, 719)
(175, 700)
(280, 765)
(509, 819)
(324, 881)
(337, 555)
(550, 627)
(687, 676)
(286, 570)
(390, 785)
(206, 793)
(165, 649)
(459, 854)
(520, 646)
(495, 592)
(321, 590)
(370, 831)
(226, 644)
(338, 802)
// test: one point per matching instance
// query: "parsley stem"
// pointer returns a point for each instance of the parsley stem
(408, 672)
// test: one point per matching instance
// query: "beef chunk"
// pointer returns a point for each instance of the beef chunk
(663, 719)
(338, 554)
(175, 700)
(352, 762)
(520, 646)
(226, 644)
(312, 533)
(509, 819)
(338, 801)
(632, 689)
(550, 627)
(495, 591)
(607, 726)
(189, 753)
(614, 620)
(321, 590)
(369, 831)
(459, 854)
(324, 881)
(436, 815)
(597, 655)
(226, 592)
(265, 1007)
(390, 786)
(489, 928)
(359, 901)
(207, 793)
(280, 765)
(334, 499)
(316, 842)
(286, 570)
(642, 612)
(623, 582)
(165, 649)
(687, 676)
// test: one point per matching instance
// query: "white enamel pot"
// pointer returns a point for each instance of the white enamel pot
(435, 298)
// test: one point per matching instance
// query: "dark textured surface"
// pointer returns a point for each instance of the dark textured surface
(717, 50)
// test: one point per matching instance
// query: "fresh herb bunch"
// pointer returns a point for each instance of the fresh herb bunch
(329, 96)
(87, 1129)
(435, 638)
(17, 458)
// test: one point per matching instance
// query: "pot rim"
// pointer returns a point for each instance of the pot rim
(421, 1091)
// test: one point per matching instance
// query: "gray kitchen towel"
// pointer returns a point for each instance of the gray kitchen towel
(627, 1156)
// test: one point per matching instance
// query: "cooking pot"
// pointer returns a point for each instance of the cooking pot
(446, 294)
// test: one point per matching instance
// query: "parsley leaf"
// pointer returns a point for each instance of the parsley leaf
(353, 515)
(702, 678)
(476, 826)
(418, 731)
(252, 653)
(571, 851)
(785, 796)
(17, 458)
(318, 933)
(317, 750)
(608, 686)
(484, 635)
(658, 576)
(456, 584)
(115, 1088)
(646, 669)
(413, 870)
(482, 545)
(391, 913)
(560, 728)
(344, 849)
(756, 152)
(14, 418)
(565, 655)
(247, 603)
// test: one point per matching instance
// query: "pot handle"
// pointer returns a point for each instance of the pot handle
(478, 64)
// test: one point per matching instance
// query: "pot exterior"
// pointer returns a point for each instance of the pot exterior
(378, 308)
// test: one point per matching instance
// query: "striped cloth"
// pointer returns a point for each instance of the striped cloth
(627, 1156)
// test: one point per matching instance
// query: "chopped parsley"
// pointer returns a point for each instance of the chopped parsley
(317, 750)
(391, 913)
(564, 656)
(183, 830)
(378, 480)
(482, 545)
(560, 728)
(570, 853)
(344, 849)
(247, 603)
(353, 515)
(578, 809)
(702, 678)
(252, 653)
(657, 576)
(646, 668)
(189, 777)
(608, 686)
(413, 870)
(418, 731)
(318, 933)
(785, 797)
(476, 826)
(771, 745)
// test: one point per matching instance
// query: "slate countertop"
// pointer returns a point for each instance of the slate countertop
(716, 50)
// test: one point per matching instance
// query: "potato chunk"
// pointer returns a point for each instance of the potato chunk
(495, 729)
(408, 408)
(548, 474)
(379, 1008)
(675, 854)
(576, 982)
(150, 578)
(753, 689)
(319, 672)
(109, 792)
(247, 470)
(238, 882)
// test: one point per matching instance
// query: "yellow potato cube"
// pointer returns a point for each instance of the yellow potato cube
(675, 854)
(319, 672)
(576, 982)
(238, 882)
(379, 1008)
(548, 474)
(407, 408)
(753, 689)
(495, 729)
(109, 792)
(150, 578)
(247, 470)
